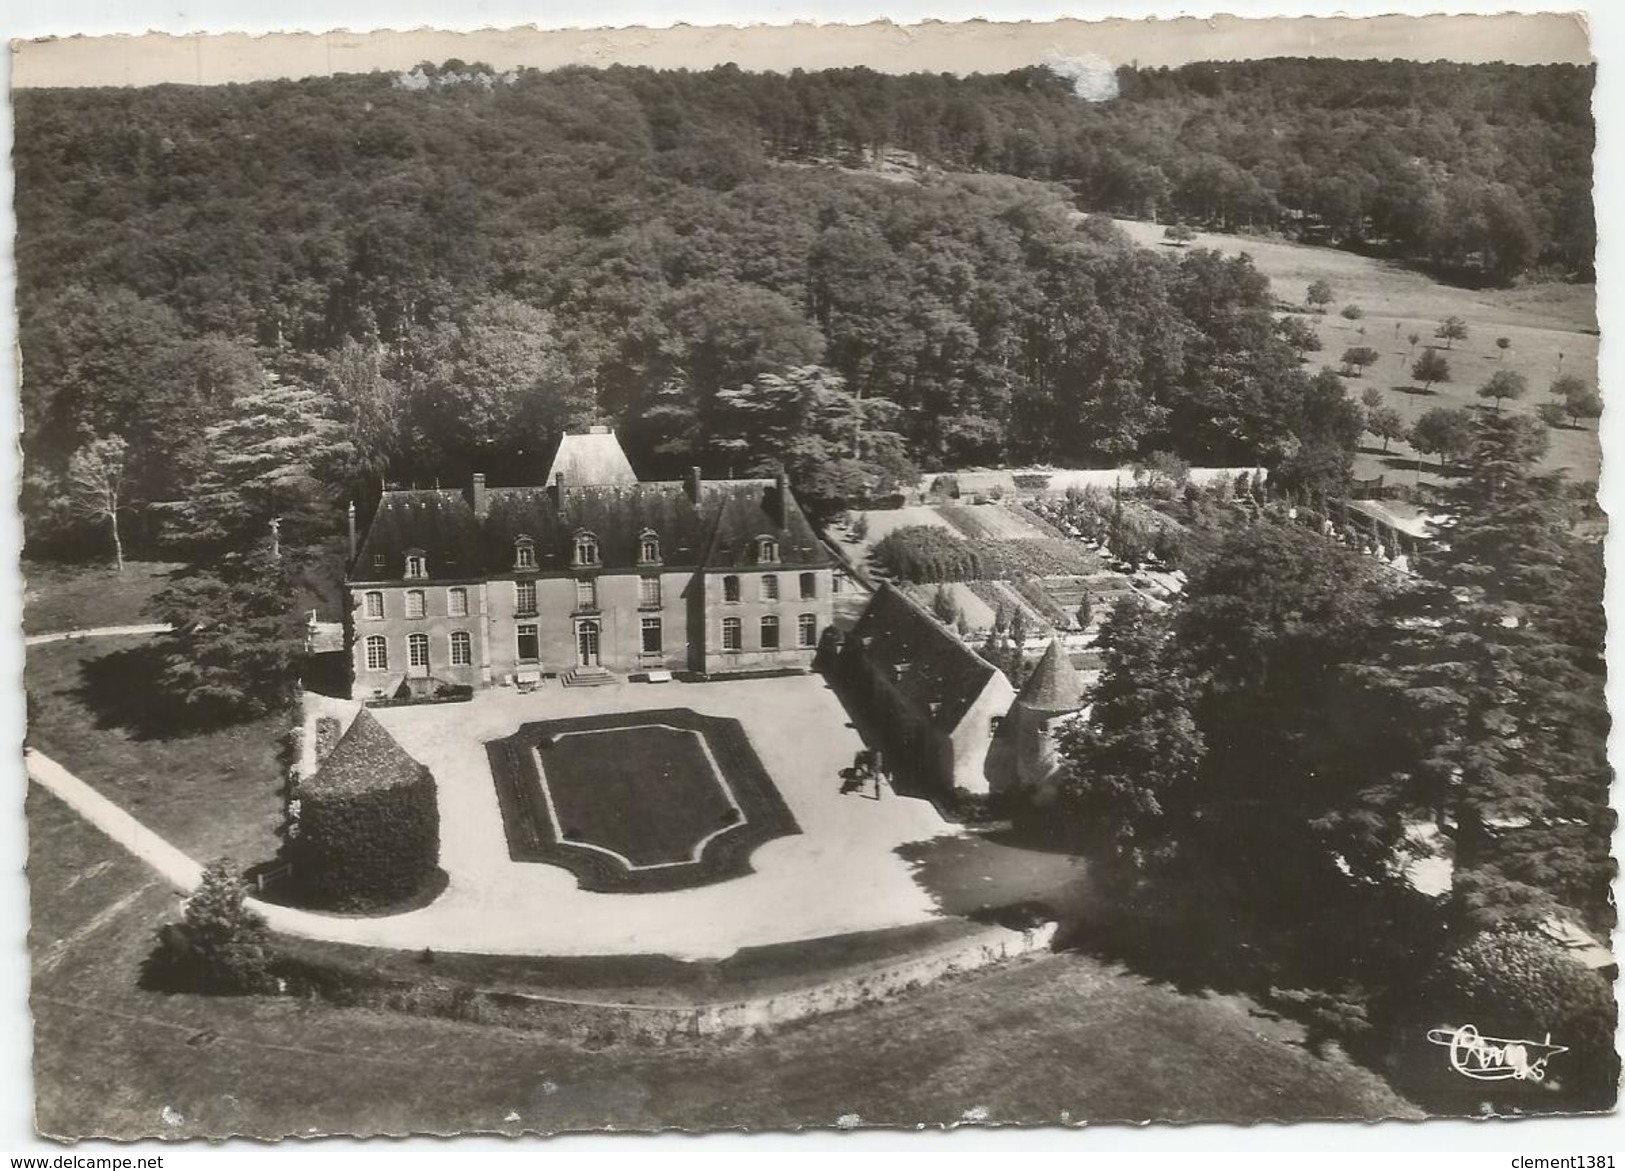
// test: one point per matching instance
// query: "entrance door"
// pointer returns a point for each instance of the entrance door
(587, 644)
(417, 655)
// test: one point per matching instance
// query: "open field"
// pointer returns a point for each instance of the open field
(66, 596)
(1063, 1037)
(1542, 321)
(211, 793)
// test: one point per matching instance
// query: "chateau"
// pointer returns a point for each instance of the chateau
(593, 575)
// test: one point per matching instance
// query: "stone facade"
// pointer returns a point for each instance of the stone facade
(496, 585)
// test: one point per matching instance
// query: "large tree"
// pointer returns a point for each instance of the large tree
(236, 641)
(275, 461)
(1500, 655)
(1132, 763)
(1305, 774)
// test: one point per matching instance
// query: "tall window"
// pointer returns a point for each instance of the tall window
(767, 549)
(770, 587)
(733, 635)
(526, 642)
(586, 549)
(457, 602)
(836, 582)
(809, 586)
(377, 653)
(648, 548)
(414, 604)
(524, 597)
(648, 591)
(417, 565)
(807, 630)
(651, 636)
(730, 588)
(586, 594)
(770, 633)
(462, 649)
(417, 650)
(373, 604)
(524, 553)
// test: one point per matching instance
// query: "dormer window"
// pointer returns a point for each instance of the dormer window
(586, 549)
(524, 553)
(767, 550)
(648, 547)
(417, 565)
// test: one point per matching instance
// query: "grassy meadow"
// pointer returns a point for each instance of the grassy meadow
(1542, 322)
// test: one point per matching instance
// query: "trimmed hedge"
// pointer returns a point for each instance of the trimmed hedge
(364, 832)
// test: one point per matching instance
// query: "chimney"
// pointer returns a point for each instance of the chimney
(352, 530)
(781, 498)
(476, 495)
(556, 489)
(694, 484)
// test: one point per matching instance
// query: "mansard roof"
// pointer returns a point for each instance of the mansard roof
(925, 661)
(719, 531)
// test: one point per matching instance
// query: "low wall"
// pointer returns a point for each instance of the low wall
(608, 1021)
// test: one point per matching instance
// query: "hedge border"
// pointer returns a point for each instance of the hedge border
(530, 835)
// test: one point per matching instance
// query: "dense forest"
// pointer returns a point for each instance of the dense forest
(453, 264)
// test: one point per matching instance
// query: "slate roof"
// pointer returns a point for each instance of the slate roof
(719, 530)
(365, 759)
(1055, 685)
(593, 458)
(925, 661)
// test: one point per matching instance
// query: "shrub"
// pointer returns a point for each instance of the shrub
(1031, 481)
(220, 946)
(364, 831)
(946, 485)
(1353, 312)
(1519, 984)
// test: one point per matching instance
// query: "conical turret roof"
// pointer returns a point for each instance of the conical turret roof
(1055, 686)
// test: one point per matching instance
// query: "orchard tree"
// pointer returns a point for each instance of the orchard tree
(96, 486)
(1179, 235)
(1443, 431)
(1580, 399)
(1502, 344)
(1431, 367)
(1320, 294)
(1452, 329)
(1553, 414)
(1357, 358)
(1504, 384)
(1371, 398)
(1386, 424)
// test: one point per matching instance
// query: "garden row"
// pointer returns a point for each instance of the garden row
(924, 553)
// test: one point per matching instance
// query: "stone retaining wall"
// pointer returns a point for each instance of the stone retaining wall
(586, 1020)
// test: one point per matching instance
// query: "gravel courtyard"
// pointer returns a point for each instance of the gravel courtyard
(841, 874)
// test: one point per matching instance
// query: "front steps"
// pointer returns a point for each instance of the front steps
(589, 677)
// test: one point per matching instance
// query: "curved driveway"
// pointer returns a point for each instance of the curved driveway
(841, 874)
